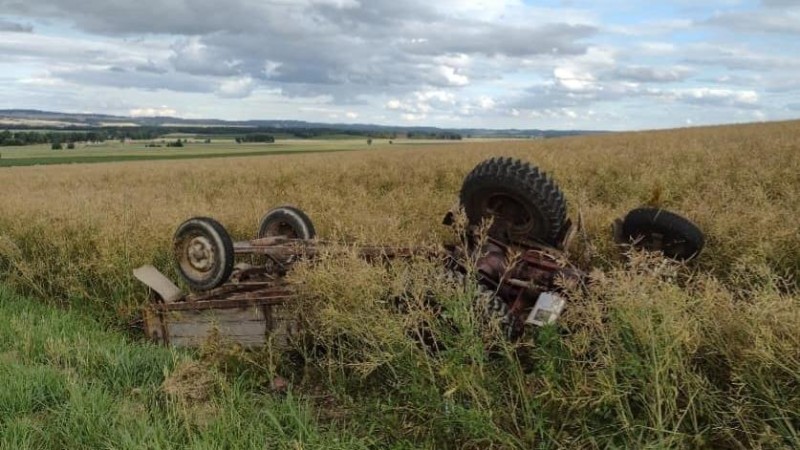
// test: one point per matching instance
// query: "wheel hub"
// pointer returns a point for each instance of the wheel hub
(200, 253)
(282, 228)
(508, 211)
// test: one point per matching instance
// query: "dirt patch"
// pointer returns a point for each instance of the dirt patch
(9, 357)
(190, 383)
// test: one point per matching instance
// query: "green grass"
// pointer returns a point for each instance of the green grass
(149, 157)
(638, 362)
(66, 383)
(113, 151)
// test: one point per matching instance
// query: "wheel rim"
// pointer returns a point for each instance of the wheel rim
(198, 255)
(511, 214)
(281, 228)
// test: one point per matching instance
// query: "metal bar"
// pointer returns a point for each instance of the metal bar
(310, 249)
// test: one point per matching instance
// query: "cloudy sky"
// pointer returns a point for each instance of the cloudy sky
(605, 64)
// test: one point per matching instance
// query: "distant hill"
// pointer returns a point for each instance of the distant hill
(29, 118)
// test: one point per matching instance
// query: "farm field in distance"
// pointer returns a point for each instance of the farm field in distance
(655, 355)
(113, 151)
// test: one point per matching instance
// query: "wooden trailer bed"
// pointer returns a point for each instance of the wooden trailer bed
(249, 314)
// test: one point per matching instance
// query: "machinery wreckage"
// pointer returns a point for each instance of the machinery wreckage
(520, 260)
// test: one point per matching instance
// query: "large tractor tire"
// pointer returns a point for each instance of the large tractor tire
(525, 204)
(655, 229)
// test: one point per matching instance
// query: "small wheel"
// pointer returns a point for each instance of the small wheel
(286, 221)
(204, 253)
(655, 229)
(523, 202)
(491, 308)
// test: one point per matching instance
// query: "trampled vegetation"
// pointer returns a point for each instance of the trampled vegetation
(654, 356)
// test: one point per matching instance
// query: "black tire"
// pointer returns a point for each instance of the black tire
(204, 253)
(490, 307)
(286, 221)
(496, 310)
(655, 229)
(526, 204)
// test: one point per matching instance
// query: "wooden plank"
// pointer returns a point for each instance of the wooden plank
(224, 329)
(248, 299)
(253, 313)
(191, 328)
(245, 327)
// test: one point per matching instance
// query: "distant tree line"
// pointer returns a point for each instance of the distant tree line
(256, 137)
(17, 135)
(8, 137)
(446, 135)
(137, 133)
(387, 135)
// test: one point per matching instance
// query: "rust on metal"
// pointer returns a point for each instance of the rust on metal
(244, 309)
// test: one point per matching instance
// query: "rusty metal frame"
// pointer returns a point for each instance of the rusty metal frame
(518, 280)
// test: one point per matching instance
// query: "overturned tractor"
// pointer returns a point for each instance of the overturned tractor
(518, 259)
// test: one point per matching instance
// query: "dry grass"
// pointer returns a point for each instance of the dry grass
(87, 226)
(655, 356)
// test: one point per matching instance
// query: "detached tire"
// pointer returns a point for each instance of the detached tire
(656, 229)
(526, 204)
(204, 253)
(286, 221)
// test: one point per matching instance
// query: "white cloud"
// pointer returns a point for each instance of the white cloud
(646, 74)
(572, 80)
(271, 68)
(716, 96)
(657, 48)
(456, 61)
(486, 103)
(453, 77)
(437, 95)
(236, 87)
(653, 28)
(43, 80)
(495, 63)
(393, 104)
(161, 111)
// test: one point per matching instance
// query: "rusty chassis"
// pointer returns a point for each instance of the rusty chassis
(519, 258)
